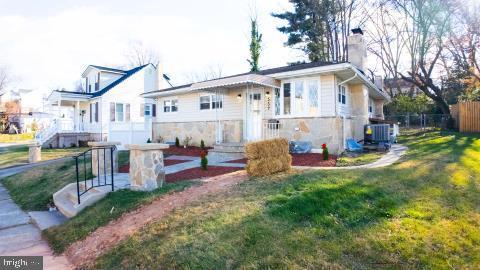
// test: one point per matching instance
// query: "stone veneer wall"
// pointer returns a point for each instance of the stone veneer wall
(204, 130)
(318, 130)
(147, 171)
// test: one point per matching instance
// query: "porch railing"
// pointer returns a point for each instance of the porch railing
(85, 169)
(271, 130)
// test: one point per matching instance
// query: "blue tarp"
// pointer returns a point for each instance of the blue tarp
(300, 147)
(354, 146)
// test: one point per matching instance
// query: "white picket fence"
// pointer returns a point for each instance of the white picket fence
(130, 132)
(271, 130)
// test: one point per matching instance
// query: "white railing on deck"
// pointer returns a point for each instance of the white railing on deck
(271, 130)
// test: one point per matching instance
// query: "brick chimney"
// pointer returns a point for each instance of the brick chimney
(357, 49)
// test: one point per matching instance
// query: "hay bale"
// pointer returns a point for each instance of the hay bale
(267, 157)
(267, 148)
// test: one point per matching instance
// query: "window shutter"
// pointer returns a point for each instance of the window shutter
(97, 86)
(142, 110)
(96, 111)
(154, 110)
(127, 112)
(86, 84)
(90, 112)
(112, 112)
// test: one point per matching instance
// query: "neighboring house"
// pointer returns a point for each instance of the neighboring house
(316, 102)
(108, 106)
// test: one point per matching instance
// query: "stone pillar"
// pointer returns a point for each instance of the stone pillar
(99, 160)
(147, 171)
(34, 153)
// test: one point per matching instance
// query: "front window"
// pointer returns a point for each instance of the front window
(299, 98)
(205, 103)
(119, 116)
(313, 97)
(342, 96)
(208, 102)
(277, 101)
(170, 105)
(148, 110)
(286, 98)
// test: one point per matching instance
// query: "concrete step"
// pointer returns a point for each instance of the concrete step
(228, 148)
(67, 203)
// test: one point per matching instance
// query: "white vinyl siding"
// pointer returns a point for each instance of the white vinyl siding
(327, 95)
(189, 107)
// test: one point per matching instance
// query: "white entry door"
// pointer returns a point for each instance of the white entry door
(254, 116)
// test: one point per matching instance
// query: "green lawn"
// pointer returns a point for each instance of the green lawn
(33, 190)
(109, 208)
(420, 213)
(18, 155)
(11, 138)
(361, 159)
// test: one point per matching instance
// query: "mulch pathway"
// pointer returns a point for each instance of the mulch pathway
(195, 173)
(192, 151)
(103, 239)
(308, 159)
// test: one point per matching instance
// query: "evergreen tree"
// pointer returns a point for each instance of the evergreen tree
(255, 46)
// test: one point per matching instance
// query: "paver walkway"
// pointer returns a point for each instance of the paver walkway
(19, 237)
(104, 238)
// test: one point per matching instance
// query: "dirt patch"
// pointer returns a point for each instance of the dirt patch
(196, 173)
(103, 239)
(167, 162)
(308, 159)
(192, 151)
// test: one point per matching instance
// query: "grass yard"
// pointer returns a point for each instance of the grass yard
(109, 208)
(13, 138)
(361, 159)
(33, 190)
(420, 213)
(18, 155)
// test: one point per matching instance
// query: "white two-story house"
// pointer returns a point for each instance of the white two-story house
(109, 107)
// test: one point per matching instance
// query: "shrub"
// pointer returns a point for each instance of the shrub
(177, 142)
(202, 144)
(149, 141)
(325, 152)
(267, 157)
(203, 159)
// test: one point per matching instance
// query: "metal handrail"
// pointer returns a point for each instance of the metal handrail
(83, 157)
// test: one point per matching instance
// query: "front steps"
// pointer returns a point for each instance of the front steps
(66, 198)
(229, 148)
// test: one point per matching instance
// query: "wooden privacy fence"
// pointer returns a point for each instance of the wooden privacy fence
(467, 116)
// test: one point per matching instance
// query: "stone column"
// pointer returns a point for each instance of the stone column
(34, 153)
(147, 171)
(99, 160)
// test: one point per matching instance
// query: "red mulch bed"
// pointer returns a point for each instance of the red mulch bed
(167, 162)
(196, 173)
(313, 160)
(192, 151)
(308, 159)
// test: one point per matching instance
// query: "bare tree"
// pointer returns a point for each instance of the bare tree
(4, 79)
(139, 54)
(422, 31)
(210, 73)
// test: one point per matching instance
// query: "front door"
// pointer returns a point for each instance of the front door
(254, 116)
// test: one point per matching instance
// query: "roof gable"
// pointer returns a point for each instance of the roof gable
(117, 82)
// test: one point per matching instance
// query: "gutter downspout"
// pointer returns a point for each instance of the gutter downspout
(343, 116)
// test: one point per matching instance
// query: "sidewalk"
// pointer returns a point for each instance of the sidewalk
(19, 237)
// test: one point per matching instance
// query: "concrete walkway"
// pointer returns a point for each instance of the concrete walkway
(395, 153)
(214, 159)
(19, 237)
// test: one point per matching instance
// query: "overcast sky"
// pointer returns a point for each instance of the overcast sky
(47, 44)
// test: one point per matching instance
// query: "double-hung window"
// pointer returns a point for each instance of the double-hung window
(208, 102)
(342, 94)
(170, 105)
(119, 114)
